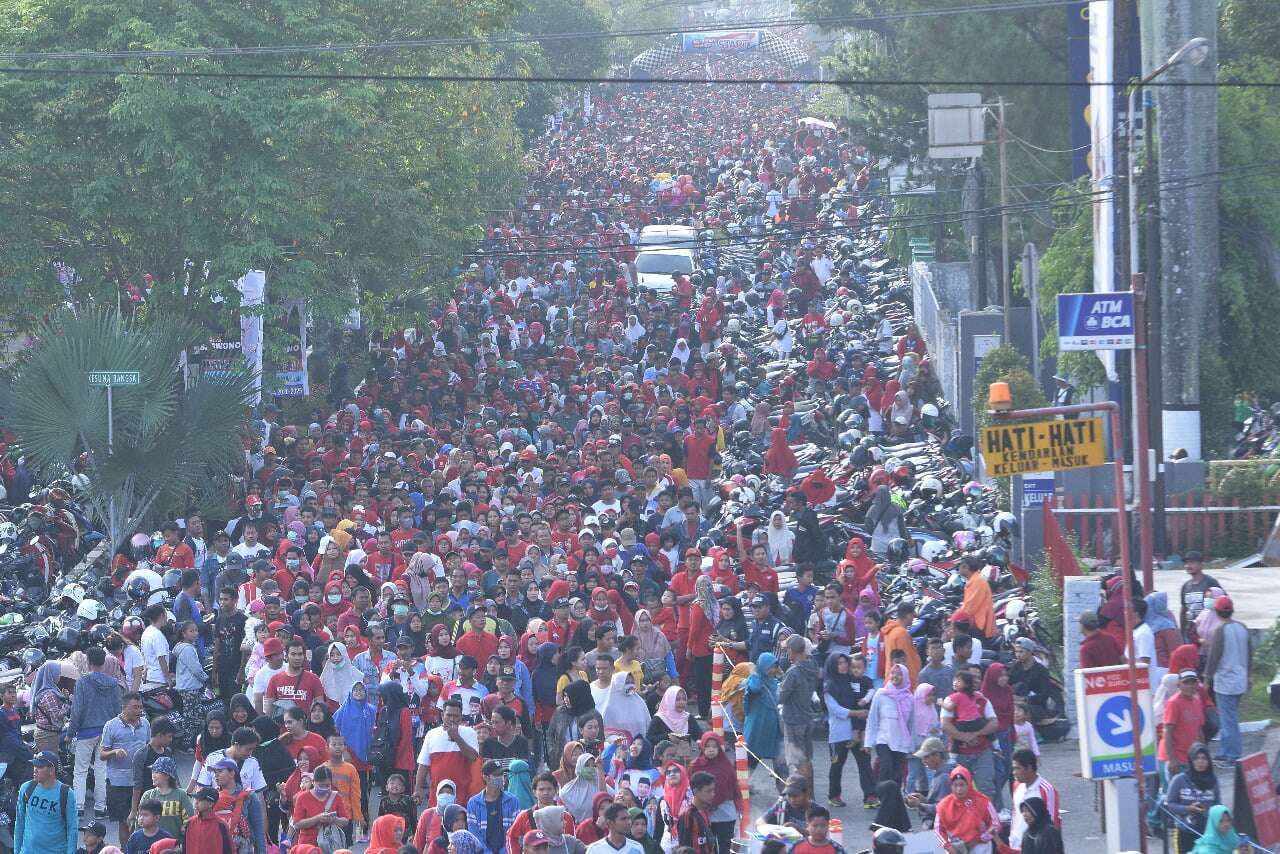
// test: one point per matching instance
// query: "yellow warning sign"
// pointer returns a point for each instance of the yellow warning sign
(1043, 446)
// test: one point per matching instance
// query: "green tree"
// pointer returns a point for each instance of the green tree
(1004, 365)
(559, 57)
(172, 445)
(192, 181)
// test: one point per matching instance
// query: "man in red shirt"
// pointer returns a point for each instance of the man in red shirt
(296, 737)
(387, 563)
(1098, 649)
(318, 806)
(447, 753)
(296, 686)
(404, 527)
(1182, 722)
(476, 642)
(561, 626)
(699, 453)
(174, 554)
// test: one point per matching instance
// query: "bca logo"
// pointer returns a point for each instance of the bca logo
(1107, 314)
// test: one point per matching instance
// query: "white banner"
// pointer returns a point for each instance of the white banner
(720, 41)
(1102, 152)
(253, 293)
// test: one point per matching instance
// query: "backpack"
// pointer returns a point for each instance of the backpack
(382, 750)
(236, 821)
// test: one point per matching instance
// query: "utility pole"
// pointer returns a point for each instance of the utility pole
(1005, 282)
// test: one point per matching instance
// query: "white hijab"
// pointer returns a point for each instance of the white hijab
(623, 709)
(781, 539)
(338, 679)
(681, 352)
(634, 330)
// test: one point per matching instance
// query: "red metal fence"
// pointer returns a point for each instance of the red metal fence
(1196, 521)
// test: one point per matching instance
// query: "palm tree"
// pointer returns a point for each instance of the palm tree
(172, 441)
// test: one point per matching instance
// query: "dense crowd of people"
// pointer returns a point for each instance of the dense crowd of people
(473, 605)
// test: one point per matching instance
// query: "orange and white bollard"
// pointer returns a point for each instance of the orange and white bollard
(717, 679)
(744, 786)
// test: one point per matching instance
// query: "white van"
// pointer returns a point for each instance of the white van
(682, 236)
(654, 267)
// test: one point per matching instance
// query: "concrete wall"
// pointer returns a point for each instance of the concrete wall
(1079, 594)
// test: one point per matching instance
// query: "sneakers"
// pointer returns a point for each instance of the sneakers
(835, 801)
(871, 803)
(100, 813)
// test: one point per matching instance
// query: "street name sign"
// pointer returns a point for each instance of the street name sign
(1032, 446)
(114, 378)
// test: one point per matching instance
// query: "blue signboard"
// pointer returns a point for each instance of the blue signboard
(1096, 321)
(1037, 489)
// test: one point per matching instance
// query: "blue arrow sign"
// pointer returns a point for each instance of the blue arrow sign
(1114, 722)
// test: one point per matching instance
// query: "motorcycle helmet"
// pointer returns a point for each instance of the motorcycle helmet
(929, 414)
(888, 840)
(973, 490)
(930, 488)
(917, 566)
(733, 326)
(139, 546)
(67, 640)
(1006, 524)
(132, 628)
(999, 556)
(963, 540)
(89, 609)
(984, 535)
(991, 573)
(173, 579)
(74, 592)
(98, 634)
(837, 320)
(933, 550)
(897, 551)
(32, 658)
(139, 588)
(1013, 610)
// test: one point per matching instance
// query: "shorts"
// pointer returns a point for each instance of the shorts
(797, 743)
(119, 802)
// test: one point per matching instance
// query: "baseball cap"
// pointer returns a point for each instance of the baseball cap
(562, 602)
(478, 607)
(98, 828)
(930, 746)
(252, 501)
(45, 759)
(1188, 674)
(1025, 643)
(759, 601)
(208, 793)
(691, 552)
(272, 646)
(507, 674)
(226, 765)
(492, 766)
(536, 837)
(1223, 603)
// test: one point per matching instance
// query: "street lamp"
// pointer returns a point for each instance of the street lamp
(1194, 52)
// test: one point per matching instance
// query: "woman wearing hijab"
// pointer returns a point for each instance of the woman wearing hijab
(49, 705)
(884, 520)
(588, 830)
(780, 459)
(624, 710)
(563, 727)
(1207, 621)
(924, 724)
(673, 722)
(762, 726)
(1164, 630)
(965, 816)
(843, 697)
(857, 572)
(1190, 794)
(1220, 835)
(520, 783)
(651, 643)
(395, 711)
(889, 723)
(1041, 835)
(355, 721)
(465, 842)
(578, 795)
(551, 820)
(442, 656)
(892, 811)
(565, 770)
(681, 352)
(781, 539)
(704, 617)
(995, 687)
(387, 835)
(339, 674)
(726, 805)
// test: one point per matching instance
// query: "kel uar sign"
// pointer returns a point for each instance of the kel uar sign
(1107, 728)
(1096, 321)
(1031, 446)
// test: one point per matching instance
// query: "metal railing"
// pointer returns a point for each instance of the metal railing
(1168, 818)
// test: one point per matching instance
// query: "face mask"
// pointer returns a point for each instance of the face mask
(292, 563)
(340, 664)
(334, 598)
(320, 792)
(400, 610)
(587, 773)
(300, 599)
(444, 799)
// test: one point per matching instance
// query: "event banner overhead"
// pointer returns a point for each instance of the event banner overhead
(719, 41)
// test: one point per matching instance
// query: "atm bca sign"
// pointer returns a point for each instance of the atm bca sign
(1096, 321)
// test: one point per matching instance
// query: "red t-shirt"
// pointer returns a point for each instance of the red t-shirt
(697, 456)
(1183, 719)
(682, 585)
(478, 645)
(307, 805)
(763, 577)
(310, 741)
(301, 689)
(175, 557)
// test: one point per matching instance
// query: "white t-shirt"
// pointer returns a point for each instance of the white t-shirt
(251, 553)
(1144, 646)
(132, 661)
(438, 741)
(250, 774)
(260, 680)
(603, 846)
(154, 645)
(601, 507)
(975, 654)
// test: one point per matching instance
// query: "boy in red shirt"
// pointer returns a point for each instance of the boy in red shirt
(318, 806)
(817, 834)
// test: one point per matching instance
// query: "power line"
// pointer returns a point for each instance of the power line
(532, 79)
(852, 21)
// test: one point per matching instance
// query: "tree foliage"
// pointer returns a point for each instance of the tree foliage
(561, 57)
(1005, 365)
(192, 181)
(173, 444)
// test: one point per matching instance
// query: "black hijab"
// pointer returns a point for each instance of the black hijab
(209, 743)
(1203, 780)
(892, 811)
(325, 727)
(580, 699)
(839, 686)
(1041, 837)
(734, 628)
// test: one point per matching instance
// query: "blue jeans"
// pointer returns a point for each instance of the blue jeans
(1229, 713)
(1003, 766)
(982, 768)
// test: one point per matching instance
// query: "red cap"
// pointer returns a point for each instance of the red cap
(536, 837)
(692, 553)
(252, 501)
(272, 646)
(960, 616)
(1223, 603)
